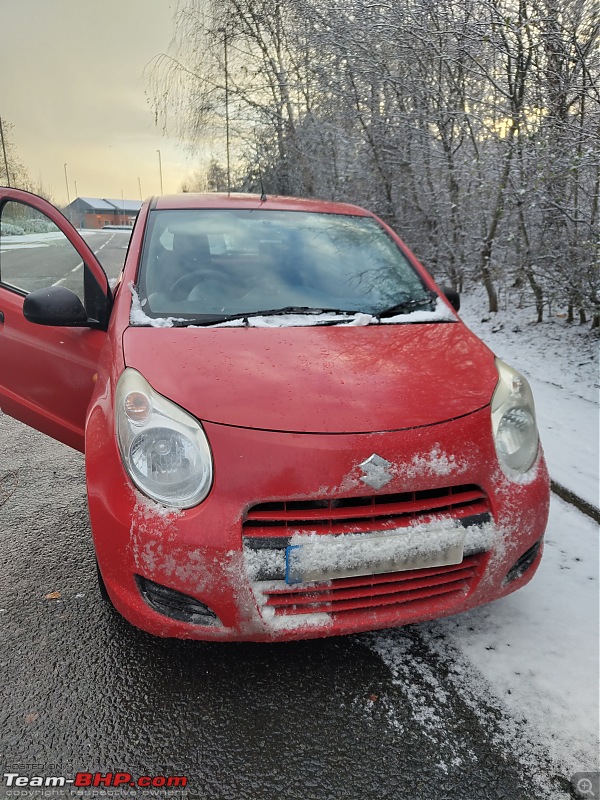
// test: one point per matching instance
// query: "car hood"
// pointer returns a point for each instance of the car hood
(340, 379)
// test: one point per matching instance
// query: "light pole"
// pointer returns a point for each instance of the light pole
(5, 156)
(160, 171)
(140, 188)
(67, 185)
(224, 32)
(68, 196)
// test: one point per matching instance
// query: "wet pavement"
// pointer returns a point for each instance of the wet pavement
(81, 690)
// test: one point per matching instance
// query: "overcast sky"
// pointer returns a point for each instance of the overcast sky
(72, 84)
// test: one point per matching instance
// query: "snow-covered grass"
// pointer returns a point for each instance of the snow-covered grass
(31, 240)
(554, 351)
(561, 363)
(534, 656)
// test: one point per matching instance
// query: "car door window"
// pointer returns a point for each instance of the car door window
(35, 254)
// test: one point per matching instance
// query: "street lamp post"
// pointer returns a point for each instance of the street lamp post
(67, 185)
(68, 195)
(4, 154)
(160, 171)
(224, 32)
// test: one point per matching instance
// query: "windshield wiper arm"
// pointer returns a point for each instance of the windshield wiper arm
(274, 312)
(205, 319)
(406, 306)
(215, 319)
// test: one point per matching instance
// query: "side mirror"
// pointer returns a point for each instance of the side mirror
(452, 296)
(55, 305)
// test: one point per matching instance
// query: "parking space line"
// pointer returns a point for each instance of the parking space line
(62, 280)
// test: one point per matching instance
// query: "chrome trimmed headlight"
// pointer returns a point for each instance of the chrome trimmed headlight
(513, 421)
(164, 449)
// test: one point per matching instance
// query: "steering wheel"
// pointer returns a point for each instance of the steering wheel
(184, 285)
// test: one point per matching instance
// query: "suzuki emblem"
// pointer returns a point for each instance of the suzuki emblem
(375, 470)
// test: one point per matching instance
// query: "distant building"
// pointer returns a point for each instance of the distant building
(93, 212)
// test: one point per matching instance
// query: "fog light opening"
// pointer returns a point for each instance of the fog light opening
(523, 563)
(174, 604)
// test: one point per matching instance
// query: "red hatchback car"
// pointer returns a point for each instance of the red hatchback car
(288, 431)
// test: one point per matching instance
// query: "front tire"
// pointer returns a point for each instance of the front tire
(102, 586)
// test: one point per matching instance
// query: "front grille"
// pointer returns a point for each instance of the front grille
(355, 514)
(346, 595)
(268, 529)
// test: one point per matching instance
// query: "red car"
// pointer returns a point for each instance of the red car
(288, 431)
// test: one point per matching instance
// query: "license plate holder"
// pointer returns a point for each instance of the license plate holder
(326, 557)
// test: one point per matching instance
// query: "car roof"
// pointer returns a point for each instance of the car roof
(190, 200)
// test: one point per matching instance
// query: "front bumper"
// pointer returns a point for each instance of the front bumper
(207, 553)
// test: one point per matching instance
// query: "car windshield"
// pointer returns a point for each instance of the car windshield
(210, 264)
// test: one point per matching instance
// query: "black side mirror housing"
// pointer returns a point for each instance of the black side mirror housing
(55, 305)
(452, 296)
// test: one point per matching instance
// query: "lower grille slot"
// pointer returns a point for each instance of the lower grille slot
(344, 595)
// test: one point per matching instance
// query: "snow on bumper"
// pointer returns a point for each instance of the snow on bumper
(229, 552)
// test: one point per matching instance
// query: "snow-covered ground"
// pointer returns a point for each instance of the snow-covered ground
(30, 240)
(561, 363)
(533, 656)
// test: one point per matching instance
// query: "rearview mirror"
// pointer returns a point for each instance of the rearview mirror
(55, 305)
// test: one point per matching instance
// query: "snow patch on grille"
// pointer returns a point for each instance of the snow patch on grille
(289, 621)
(412, 539)
(418, 546)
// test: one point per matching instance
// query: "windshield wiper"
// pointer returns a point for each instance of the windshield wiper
(215, 319)
(273, 312)
(205, 319)
(406, 306)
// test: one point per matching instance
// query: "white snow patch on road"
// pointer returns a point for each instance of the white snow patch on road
(538, 648)
(533, 655)
(29, 240)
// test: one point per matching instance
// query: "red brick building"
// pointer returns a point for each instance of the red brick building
(94, 212)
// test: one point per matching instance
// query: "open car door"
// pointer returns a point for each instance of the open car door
(55, 303)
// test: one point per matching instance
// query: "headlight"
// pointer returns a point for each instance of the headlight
(164, 449)
(513, 420)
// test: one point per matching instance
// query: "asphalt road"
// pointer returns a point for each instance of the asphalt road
(43, 260)
(83, 691)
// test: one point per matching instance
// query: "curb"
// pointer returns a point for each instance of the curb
(570, 497)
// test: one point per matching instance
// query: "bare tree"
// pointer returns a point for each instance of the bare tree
(472, 127)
